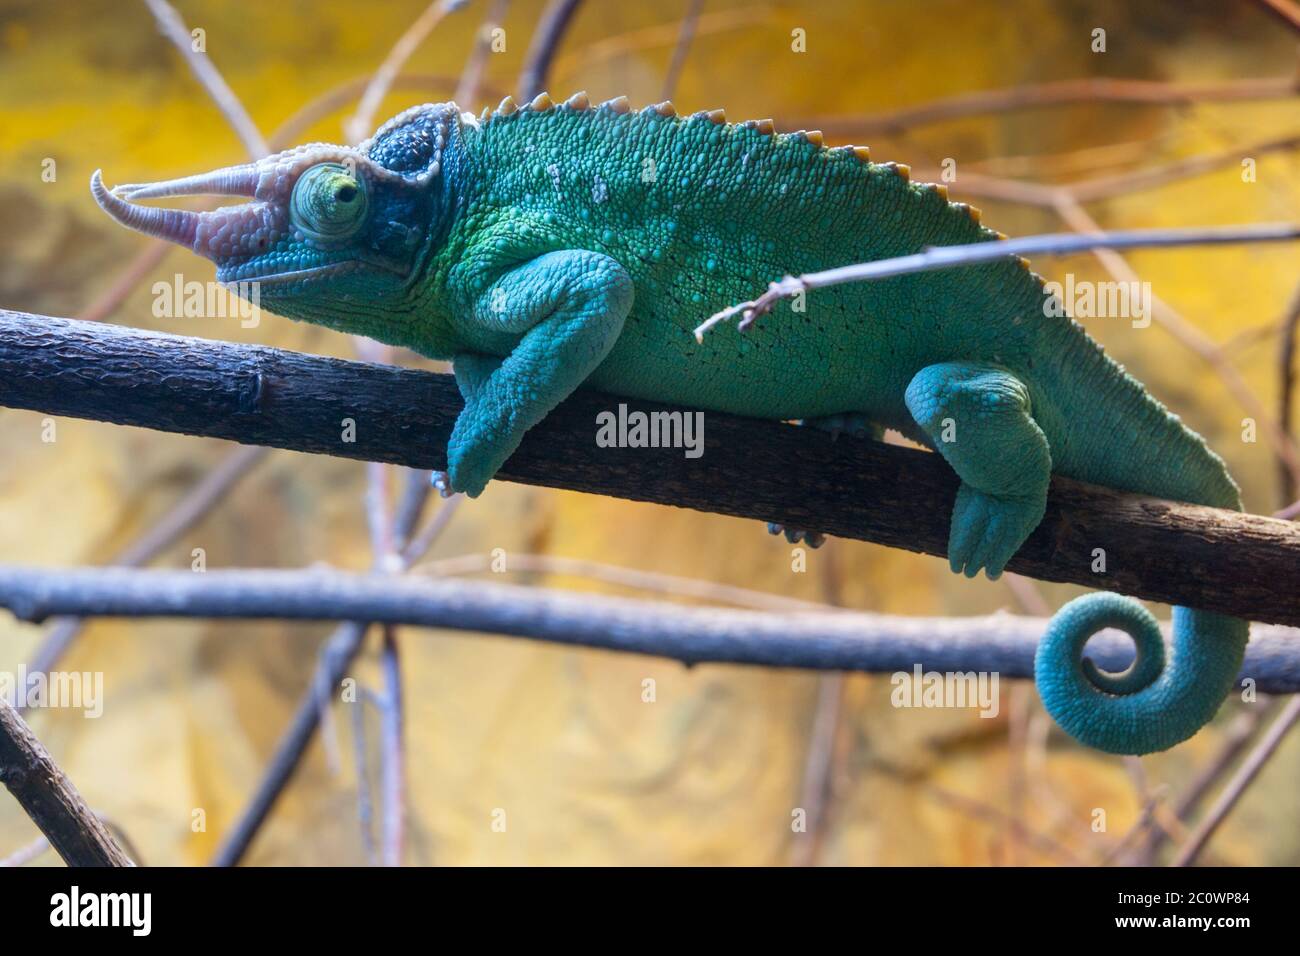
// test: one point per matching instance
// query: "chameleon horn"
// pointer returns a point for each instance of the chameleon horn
(177, 225)
(230, 181)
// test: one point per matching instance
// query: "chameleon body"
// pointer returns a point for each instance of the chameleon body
(544, 247)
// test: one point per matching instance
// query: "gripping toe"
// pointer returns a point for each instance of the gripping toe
(987, 530)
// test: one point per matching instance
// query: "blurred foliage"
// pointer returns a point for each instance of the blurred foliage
(561, 739)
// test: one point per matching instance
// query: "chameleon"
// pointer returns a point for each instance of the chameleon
(545, 246)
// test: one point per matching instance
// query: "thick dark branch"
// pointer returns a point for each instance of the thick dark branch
(817, 640)
(50, 799)
(1181, 554)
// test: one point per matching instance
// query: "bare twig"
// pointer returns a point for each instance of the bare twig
(185, 514)
(837, 640)
(751, 469)
(1285, 10)
(30, 852)
(50, 799)
(1236, 739)
(950, 257)
(620, 45)
(1240, 782)
(978, 810)
(1189, 336)
(677, 585)
(690, 21)
(135, 272)
(393, 766)
(334, 99)
(471, 77)
(334, 661)
(817, 793)
(174, 29)
(1150, 802)
(424, 538)
(551, 27)
(1120, 184)
(1289, 481)
(1057, 93)
(365, 806)
(362, 122)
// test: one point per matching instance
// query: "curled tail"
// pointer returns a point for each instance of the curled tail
(1156, 703)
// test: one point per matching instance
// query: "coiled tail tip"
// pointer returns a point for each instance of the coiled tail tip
(1164, 697)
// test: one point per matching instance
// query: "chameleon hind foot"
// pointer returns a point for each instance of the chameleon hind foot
(980, 419)
(841, 423)
(987, 530)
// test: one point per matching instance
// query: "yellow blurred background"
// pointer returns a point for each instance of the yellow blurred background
(561, 739)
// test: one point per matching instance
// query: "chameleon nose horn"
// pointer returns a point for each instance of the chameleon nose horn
(230, 181)
(177, 225)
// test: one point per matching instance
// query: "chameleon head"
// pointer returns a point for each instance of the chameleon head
(329, 234)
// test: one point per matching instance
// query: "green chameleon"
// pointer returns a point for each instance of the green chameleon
(544, 247)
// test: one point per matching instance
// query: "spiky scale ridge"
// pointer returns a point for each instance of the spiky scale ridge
(621, 107)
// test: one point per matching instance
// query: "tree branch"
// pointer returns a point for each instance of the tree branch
(815, 640)
(800, 477)
(50, 799)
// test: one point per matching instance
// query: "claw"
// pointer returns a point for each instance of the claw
(442, 481)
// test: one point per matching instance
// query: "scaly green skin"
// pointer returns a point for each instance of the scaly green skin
(546, 247)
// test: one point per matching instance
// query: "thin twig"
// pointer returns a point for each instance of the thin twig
(195, 505)
(1188, 335)
(1150, 802)
(677, 585)
(1240, 782)
(619, 46)
(686, 34)
(49, 798)
(837, 640)
(392, 747)
(1120, 184)
(1288, 479)
(135, 272)
(1018, 715)
(1056, 93)
(362, 122)
(817, 793)
(551, 27)
(1285, 10)
(424, 538)
(174, 29)
(471, 77)
(1236, 739)
(365, 806)
(335, 98)
(950, 257)
(30, 852)
(978, 810)
(333, 663)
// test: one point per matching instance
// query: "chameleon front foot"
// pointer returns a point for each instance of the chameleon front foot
(441, 482)
(814, 539)
(855, 424)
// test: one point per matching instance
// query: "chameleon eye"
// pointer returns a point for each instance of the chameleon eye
(328, 202)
